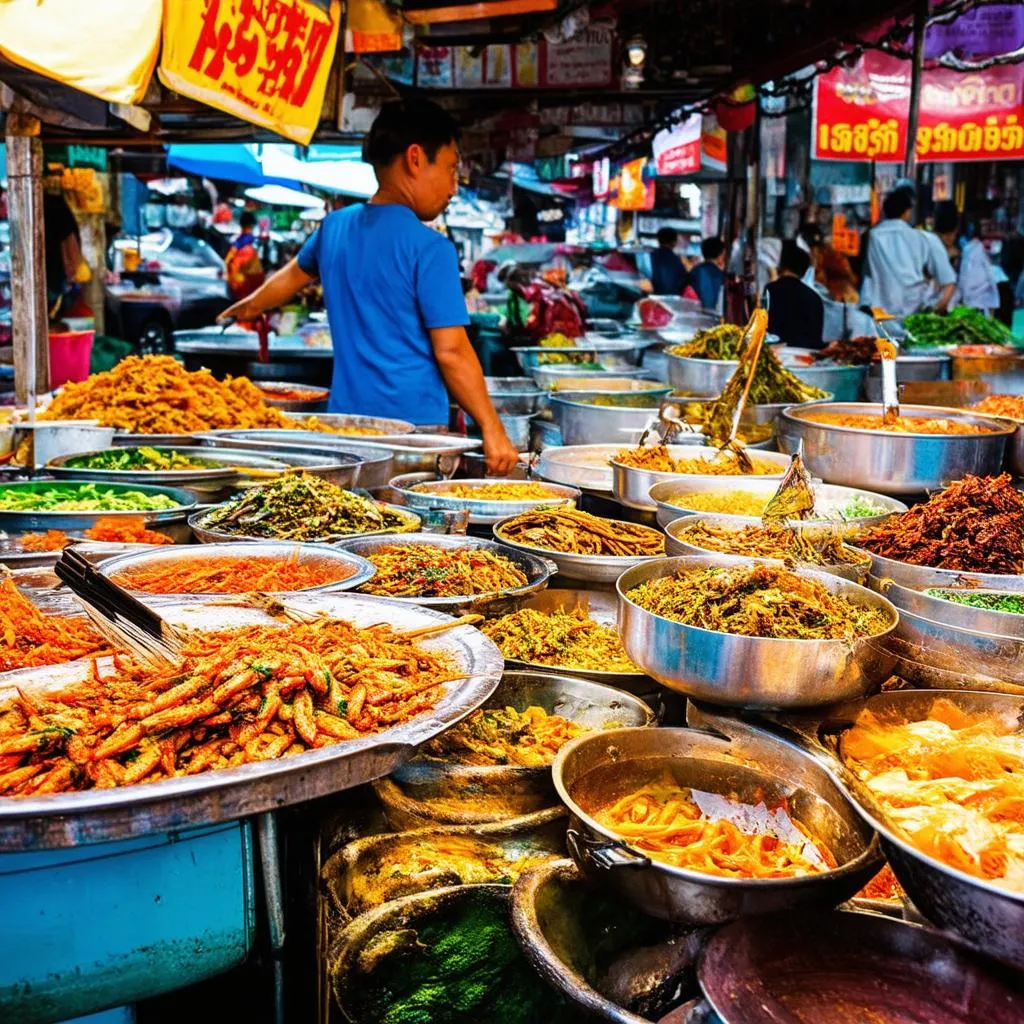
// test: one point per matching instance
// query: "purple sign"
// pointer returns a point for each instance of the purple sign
(982, 32)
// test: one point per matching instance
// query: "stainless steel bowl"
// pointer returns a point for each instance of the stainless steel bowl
(952, 613)
(590, 568)
(745, 671)
(586, 466)
(826, 496)
(607, 353)
(124, 566)
(537, 571)
(844, 383)
(606, 384)
(422, 491)
(921, 577)
(379, 426)
(208, 535)
(632, 486)
(893, 463)
(170, 521)
(518, 430)
(314, 405)
(515, 396)
(584, 423)
(676, 544)
(910, 366)
(552, 376)
(593, 771)
(429, 789)
(700, 376)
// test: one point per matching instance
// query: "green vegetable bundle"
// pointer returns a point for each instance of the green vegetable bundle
(1012, 603)
(144, 459)
(80, 498)
(961, 326)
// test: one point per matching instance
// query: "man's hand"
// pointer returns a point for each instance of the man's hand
(500, 452)
(246, 309)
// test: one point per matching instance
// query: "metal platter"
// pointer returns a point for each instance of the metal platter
(377, 426)
(585, 466)
(893, 463)
(589, 568)
(602, 607)
(751, 671)
(25, 522)
(94, 551)
(537, 571)
(825, 496)
(632, 486)
(305, 406)
(124, 565)
(98, 815)
(422, 491)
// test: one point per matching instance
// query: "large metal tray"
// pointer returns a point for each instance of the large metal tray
(586, 466)
(98, 815)
(349, 421)
(481, 513)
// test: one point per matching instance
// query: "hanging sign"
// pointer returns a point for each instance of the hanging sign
(634, 193)
(266, 62)
(860, 113)
(677, 150)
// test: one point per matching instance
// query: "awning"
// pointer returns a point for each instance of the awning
(278, 195)
(227, 162)
(344, 177)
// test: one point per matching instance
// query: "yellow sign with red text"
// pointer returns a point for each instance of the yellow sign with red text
(265, 61)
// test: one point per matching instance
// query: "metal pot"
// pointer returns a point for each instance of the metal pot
(700, 376)
(515, 396)
(844, 383)
(607, 353)
(592, 771)
(585, 423)
(552, 376)
(750, 671)
(921, 577)
(375, 426)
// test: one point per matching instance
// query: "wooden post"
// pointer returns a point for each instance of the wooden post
(916, 70)
(29, 313)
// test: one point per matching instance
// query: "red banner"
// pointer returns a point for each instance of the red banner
(860, 113)
(677, 150)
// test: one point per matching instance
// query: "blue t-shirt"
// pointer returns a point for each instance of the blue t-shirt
(387, 279)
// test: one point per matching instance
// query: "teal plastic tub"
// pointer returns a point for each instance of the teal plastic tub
(106, 925)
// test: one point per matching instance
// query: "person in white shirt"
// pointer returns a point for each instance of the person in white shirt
(902, 264)
(977, 285)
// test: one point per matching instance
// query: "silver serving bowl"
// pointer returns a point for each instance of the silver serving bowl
(211, 535)
(515, 396)
(422, 491)
(379, 426)
(606, 384)
(844, 383)
(584, 423)
(676, 544)
(922, 577)
(894, 463)
(586, 466)
(171, 521)
(128, 440)
(551, 377)
(537, 571)
(429, 789)
(632, 486)
(952, 613)
(593, 771)
(123, 566)
(826, 496)
(746, 671)
(599, 605)
(1015, 448)
(518, 430)
(700, 377)
(306, 406)
(935, 365)
(590, 568)
(607, 353)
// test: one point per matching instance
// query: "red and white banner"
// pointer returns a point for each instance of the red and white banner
(860, 113)
(677, 150)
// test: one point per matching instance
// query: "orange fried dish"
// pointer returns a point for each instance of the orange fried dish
(29, 638)
(125, 530)
(51, 540)
(664, 821)
(952, 784)
(235, 575)
(237, 697)
(902, 425)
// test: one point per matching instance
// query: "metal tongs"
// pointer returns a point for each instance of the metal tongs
(668, 423)
(794, 499)
(890, 390)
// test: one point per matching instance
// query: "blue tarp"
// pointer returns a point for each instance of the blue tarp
(227, 161)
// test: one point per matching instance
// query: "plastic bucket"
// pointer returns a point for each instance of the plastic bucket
(70, 353)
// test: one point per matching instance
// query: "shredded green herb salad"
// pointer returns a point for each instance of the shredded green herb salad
(304, 507)
(858, 507)
(88, 497)
(993, 602)
(144, 458)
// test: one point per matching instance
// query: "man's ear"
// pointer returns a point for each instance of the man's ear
(414, 158)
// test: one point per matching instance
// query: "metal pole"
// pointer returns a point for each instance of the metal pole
(920, 18)
(29, 314)
(757, 197)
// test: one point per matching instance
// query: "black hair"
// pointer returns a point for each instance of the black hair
(897, 202)
(811, 234)
(668, 236)
(409, 122)
(712, 248)
(947, 218)
(793, 258)
(247, 219)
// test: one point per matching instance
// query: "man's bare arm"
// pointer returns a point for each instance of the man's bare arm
(274, 292)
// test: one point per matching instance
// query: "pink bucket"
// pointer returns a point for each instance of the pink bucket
(70, 353)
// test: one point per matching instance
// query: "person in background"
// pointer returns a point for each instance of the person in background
(65, 265)
(242, 262)
(831, 269)
(707, 278)
(977, 281)
(392, 286)
(795, 310)
(668, 275)
(901, 263)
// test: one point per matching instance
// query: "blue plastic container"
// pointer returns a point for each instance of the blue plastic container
(100, 926)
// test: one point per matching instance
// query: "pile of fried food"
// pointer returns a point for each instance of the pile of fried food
(952, 783)
(1010, 406)
(570, 531)
(659, 459)
(974, 525)
(504, 490)
(427, 570)
(561, 639)
(808, 545)
(505, 736)
(238, 696)
(157, 395)
(757, 600)
(900, 425)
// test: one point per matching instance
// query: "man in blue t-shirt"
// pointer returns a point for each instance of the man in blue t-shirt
(392, 287)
